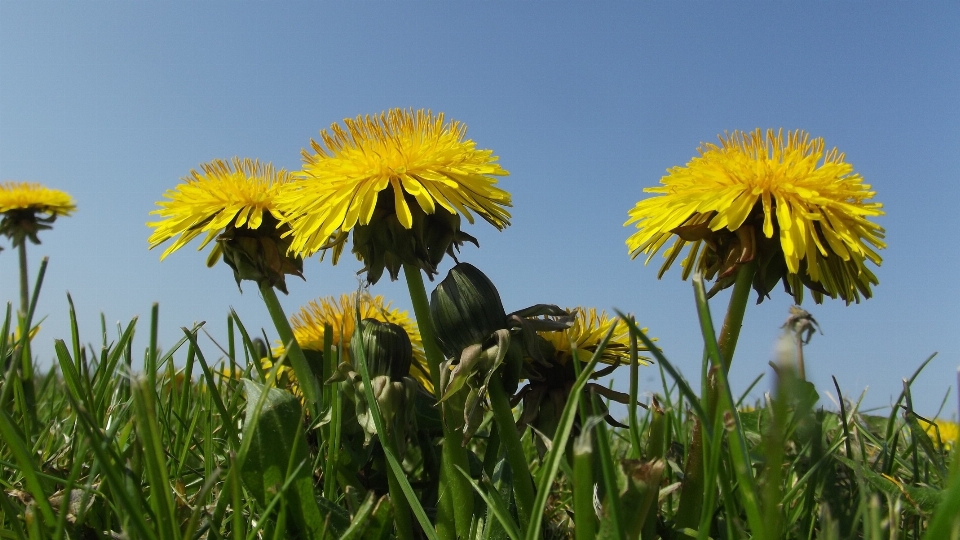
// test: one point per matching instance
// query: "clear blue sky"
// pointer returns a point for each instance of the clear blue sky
(585, 103)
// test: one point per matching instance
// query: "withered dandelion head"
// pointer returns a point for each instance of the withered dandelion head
(798, 210)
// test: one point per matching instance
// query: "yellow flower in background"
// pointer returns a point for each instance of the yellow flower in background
(35, 197)
(588, 330)
(234, 203)
(403, 173)
(29, 207)
(812, 209)
(550, 380)
(308, 327)
(949, 432)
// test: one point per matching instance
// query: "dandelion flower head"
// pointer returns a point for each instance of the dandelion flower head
(400, 164)
(29, 207)
(238, 193)
(34, 197)
(949, 432)
(813, 211)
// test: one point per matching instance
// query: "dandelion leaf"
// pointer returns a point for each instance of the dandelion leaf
(277, 451)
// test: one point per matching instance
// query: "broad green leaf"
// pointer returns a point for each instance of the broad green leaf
(274, 430)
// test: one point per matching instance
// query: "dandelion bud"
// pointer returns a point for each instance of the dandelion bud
(385, 346)
(465, 309)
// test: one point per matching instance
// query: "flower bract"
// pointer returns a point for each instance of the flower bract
(29, 207)
(797, 209)
(232, 202)
(400, 180)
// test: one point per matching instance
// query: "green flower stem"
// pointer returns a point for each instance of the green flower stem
(401, 508)
(692, 490)
(421, 310)
(585, 520)
(301, 368)
(733, 321)
(452, 484)
(510, 439)
(24, 282)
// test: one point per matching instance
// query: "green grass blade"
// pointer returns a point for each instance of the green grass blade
(496, 505)
(389, 447)
(633, 417)
(213, 388)
(585, 519)
(608, 470)
(154, 457)
(682, 383)
(946, 519)
(738, 446)
(551, 462)
(13, 439)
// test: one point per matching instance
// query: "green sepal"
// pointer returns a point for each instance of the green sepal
(258, 255)
(20, 225)
(385, 244)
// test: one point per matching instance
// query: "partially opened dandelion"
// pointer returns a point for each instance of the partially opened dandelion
(28, 208)
(796, 210)
(234, 204)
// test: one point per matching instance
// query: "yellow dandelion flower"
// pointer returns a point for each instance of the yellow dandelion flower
(233, 202)
(238, 193)
(949, 432)
(809, 199)
(588, 330)
(309, 322)
(403, 173)
(29, 207)
(35, 197)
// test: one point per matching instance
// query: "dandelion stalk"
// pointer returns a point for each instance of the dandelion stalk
(692, 492)
(733, 321)
(401, 507)
(510, 439)
(24, 281)
(308, 381)
(452, 484)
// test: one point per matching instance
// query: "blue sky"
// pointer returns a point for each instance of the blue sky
(585, 104)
